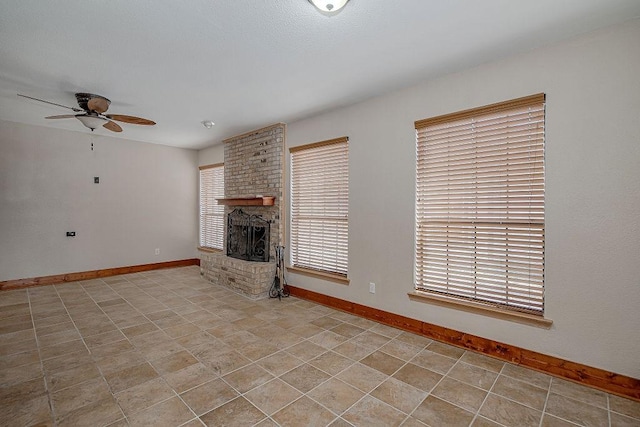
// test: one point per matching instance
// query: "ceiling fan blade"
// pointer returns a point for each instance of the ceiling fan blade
(62, 116)
(52, 103)
(98, 104)
(130, 119)
(112, 126)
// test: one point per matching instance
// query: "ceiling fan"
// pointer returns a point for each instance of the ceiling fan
(92, 109)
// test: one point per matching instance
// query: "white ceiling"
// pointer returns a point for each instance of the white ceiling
(245, 64)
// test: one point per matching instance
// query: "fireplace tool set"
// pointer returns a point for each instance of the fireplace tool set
(279, 288)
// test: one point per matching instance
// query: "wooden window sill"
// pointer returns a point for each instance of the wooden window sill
(205, 249)
(338, 278)
(479, 308)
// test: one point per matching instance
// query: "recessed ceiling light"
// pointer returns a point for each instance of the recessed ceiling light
(208, 124)
(329, 5)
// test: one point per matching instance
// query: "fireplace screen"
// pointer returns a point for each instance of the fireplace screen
(247, 236)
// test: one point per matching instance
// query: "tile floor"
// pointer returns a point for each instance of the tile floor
(166, 348)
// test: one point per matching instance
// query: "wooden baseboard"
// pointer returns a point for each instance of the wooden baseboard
(586, 375)
(93, 274)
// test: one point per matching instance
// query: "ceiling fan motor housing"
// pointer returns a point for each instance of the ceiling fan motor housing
(83, 100)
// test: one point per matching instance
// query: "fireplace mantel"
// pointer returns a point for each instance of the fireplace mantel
(248, 201)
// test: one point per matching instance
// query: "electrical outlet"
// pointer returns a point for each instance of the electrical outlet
(372, 287)
(157, 251)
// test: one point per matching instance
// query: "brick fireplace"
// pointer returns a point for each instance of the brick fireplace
(253, 179)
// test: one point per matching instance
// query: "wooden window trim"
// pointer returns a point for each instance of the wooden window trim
(334, 277)
(481, 308)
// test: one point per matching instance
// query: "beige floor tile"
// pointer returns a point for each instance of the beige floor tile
(305, 377)
(551, 421)
(20, 374)
(67, 361)
(522, 392)
(142, 396)
(80, 395)
(279, 363)
(473, 375)
(104, 338)
(434, 361)
(223, 362)
(258, 350)
(46, 329)
(436, 412)
(354, 350)
(331, 363)
(460, 394)
(63, 379)
(236, 413)
(18, 393)
(190, 377)
(306, 330)
(370, 411)
(523, 374)
(347, 330)
(58, 337)
(303, 412)
(140, 329)
(19, 359)
(174, 362)
(272, 396)
(176, 331)
(400, 349)
(248, 377)
(576, 411)
(61, 349)
(169, 413)
(509, 413)
(103, 412)
(383, 362)
(306, 350)
(208, 396)
(130, 377)
(618, 420)
(112, 349)
(399, 394)
(446, 350)
(341, 422)
(33, 411)
(419, 377)
(371, 339)
(14, 337)
(624, 406)
(579, 392)
(336, 395)
(7, 349)
(482, 361)
(362, 377)
(118, 362)
(484, 422)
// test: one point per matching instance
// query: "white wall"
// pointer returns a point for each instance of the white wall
(146, 199)
(211, 155)
(592, 194)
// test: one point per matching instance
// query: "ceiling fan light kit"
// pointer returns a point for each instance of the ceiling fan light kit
(329, 6)
(90, 121)
(93, 107)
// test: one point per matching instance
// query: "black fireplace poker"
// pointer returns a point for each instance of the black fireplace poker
(279, 288)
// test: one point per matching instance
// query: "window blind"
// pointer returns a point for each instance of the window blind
(320, 206)
(480, 204)
(211, 214)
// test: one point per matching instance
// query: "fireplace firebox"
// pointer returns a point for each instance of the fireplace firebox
(247, 236)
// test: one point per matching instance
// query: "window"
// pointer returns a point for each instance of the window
(320, 206)
(211, 214)
(480, 204)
